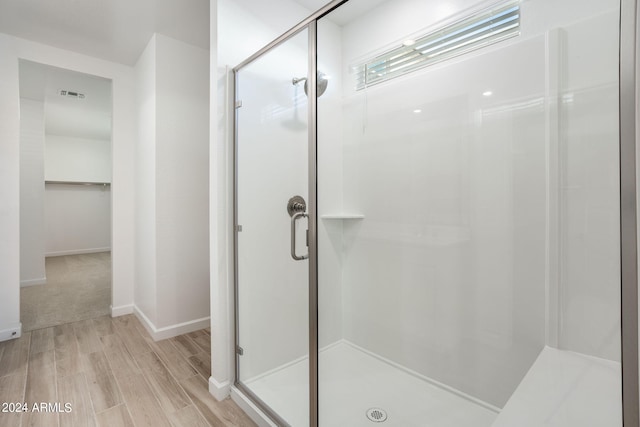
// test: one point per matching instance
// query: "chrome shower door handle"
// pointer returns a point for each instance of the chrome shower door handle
(294, 218)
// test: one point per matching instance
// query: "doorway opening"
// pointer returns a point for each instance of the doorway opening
(65, 196)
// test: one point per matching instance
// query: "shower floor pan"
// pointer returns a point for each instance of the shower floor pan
(352, 382)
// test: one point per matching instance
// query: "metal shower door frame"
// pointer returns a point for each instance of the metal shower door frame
(310, 24)
(628, 116)
(629, 100)
(311, 205)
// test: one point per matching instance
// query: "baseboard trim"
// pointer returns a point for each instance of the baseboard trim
(12, 332)
(250, 409)
(121, 310)
(170, 331)
(33, 282)
(77, 252)
(220, 391)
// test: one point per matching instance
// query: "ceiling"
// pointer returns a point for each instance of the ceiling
(115, 30)
(119, 30)
(346, 13)
(80, 118)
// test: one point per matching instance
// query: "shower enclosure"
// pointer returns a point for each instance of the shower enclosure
(428, 216)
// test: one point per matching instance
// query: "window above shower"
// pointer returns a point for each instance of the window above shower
(483, 28)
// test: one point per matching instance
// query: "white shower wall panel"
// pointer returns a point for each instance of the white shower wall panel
(590, 219)
(448, 273)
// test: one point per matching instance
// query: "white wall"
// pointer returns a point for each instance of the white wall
(145, 291)
(220, 211)
(172, 203)
(9, 191)
(77, 159)
(32, 141)
(11, 49)
(182, 181)
(77, 219)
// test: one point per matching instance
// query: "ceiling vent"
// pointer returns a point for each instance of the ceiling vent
(71, 94)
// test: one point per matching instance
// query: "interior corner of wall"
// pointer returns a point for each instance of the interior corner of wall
(146, 322)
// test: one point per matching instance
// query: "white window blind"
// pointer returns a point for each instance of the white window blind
(483, 28)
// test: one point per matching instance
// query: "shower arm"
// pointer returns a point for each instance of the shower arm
(322, 83)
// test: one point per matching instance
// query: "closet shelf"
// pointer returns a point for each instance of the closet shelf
(342, 216)
(104, 184)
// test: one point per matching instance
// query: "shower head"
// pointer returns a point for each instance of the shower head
(323, 81)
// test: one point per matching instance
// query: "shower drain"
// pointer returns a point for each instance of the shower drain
(376, 415)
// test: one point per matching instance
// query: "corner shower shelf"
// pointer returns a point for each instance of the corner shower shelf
(342, 216)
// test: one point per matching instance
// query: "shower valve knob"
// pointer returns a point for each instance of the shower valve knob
(296, 204)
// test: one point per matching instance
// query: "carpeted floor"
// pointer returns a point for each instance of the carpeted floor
(78, 287)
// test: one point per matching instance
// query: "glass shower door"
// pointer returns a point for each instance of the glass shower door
(469, 214)
(272, 270)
